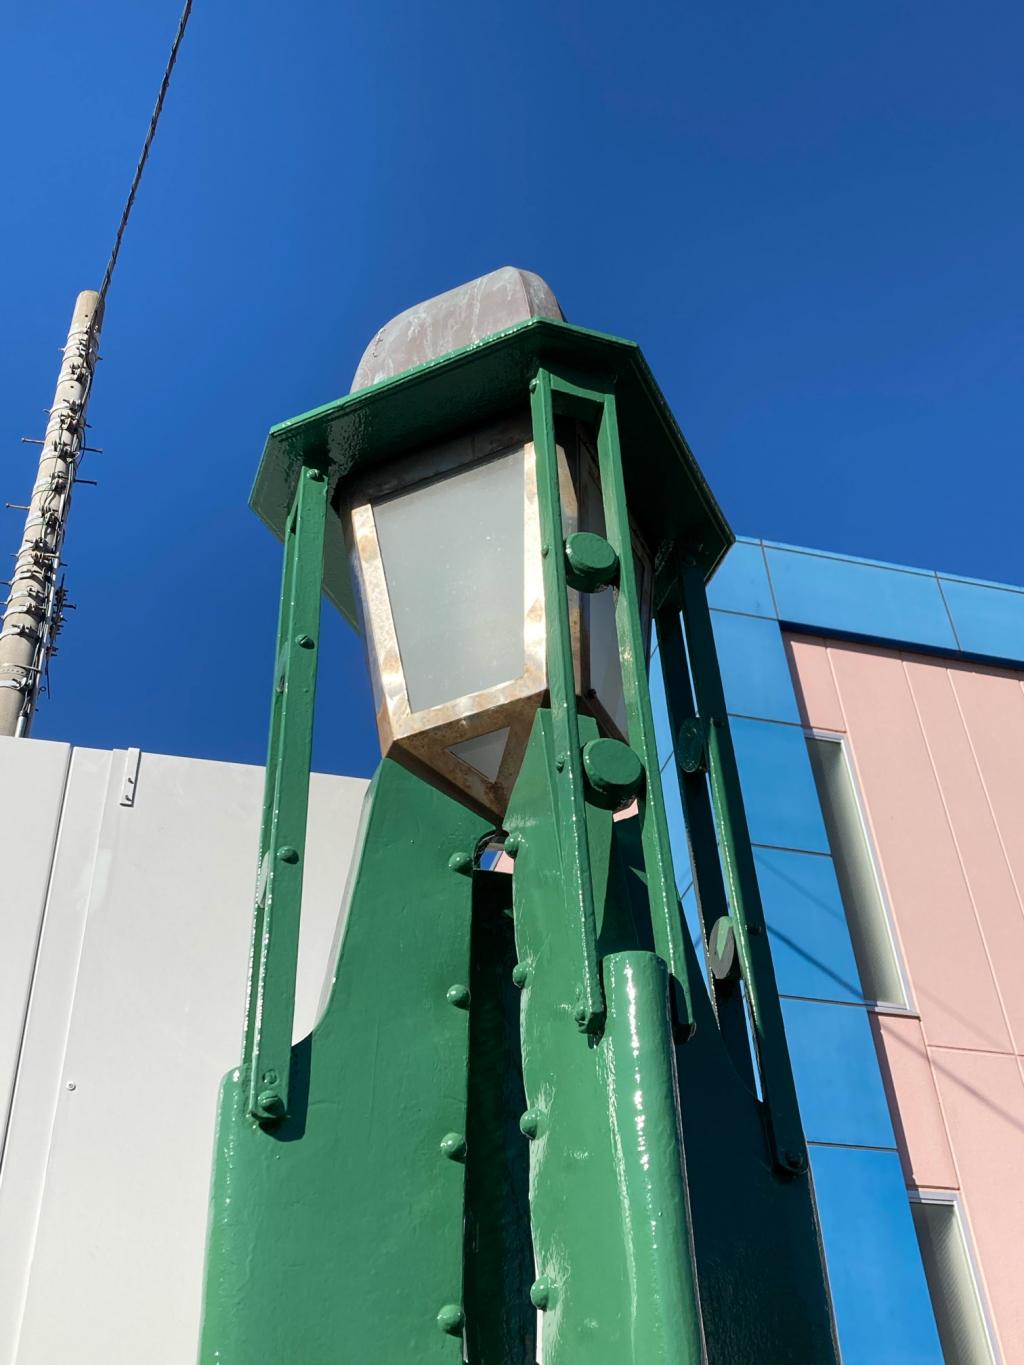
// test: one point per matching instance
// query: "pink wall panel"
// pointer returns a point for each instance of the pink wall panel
(947, 962)
(939, 753)
(992, 706)
(914, 1103)
(817, 695)
(983, 1098)
(997, 907)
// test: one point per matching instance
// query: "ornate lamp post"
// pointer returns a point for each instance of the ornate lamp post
(521, 1105)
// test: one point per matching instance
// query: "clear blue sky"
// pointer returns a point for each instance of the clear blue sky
(810, 215)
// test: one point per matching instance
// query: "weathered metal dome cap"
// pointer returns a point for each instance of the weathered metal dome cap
(456, 319)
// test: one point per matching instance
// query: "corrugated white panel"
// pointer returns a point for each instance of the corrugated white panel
(155, 1022)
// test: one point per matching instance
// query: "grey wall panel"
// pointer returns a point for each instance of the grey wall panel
(155, 1022)
(335, 805)
(28, 1146)
(31, 793)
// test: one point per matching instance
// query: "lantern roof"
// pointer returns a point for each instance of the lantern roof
(668, 497)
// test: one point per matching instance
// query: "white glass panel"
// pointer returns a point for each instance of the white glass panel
(452, 551)
(483, 752)
(958, 1314)
(858, 882)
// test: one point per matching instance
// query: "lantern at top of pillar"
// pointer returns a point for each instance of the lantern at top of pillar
(440, 515)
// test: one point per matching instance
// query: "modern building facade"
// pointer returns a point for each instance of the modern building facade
(878, 714)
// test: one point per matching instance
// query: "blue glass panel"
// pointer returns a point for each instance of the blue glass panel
(778, 786)
(807, 926)
(662, 733)
(988, 620)
(741, 582)
(863, 599)
(838, 1081)
(843, 558)
(755, 670)
(879, 1292)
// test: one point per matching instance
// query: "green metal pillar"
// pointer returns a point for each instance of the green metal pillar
(522, 1125)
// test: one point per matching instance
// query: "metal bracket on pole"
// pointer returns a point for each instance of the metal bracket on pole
(275, 939)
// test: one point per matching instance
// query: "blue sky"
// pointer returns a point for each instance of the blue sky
(810, 216)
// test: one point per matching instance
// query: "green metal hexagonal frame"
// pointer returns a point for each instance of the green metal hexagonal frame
(666, 491)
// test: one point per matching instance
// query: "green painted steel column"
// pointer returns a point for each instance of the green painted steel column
(639, 1067)
(270, 1009)
(567, 770)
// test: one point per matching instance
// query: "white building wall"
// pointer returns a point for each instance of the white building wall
(124, 935)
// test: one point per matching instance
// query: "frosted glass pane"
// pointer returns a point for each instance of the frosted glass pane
(605, 667)
(855, 872)
(483, 752)
(452, 551)
(958, 1314)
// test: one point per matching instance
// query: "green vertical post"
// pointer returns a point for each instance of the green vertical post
(647, 1151)
(568, 776)
(608, 1197)
(270, 1006)
(666, 915)
(789, 1148)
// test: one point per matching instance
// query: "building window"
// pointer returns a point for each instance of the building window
(956, 1300)
(870, 931)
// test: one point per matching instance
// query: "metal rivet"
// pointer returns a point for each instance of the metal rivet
(458, 995)
(305, 641)
(453, 1146)
(530, 1123)
(560, 762)
(580, 1014)
(753, 930)
(287, 854)
(314, 476)
(541, 1293)
(520, 974)
(72, 1085)
(451, 1319)
(461, 862)
(270, 1104)
(270, 1078)
(545, 550)
(513, 844)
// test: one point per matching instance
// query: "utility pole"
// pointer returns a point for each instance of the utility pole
(34, 608)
